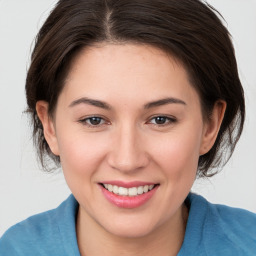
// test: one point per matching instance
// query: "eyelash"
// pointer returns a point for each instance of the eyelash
(167, 120)
(88, 121)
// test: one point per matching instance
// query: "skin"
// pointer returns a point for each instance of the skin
(128, 144)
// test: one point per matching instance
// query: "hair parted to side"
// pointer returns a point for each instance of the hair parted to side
(188, 30)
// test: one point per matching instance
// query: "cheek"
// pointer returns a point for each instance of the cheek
(81, 158)
(80, 153)
(178, 153)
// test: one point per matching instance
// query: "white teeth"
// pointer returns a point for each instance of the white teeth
(145, 189)
(140, 190)
(110, 187)
(115, 189)
(122, 191)
(134, 191)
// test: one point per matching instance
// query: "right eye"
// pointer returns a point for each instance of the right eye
(93, 121)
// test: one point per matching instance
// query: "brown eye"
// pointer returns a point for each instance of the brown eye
(162, 120)
(93, 121)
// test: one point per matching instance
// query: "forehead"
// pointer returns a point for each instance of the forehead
(127, 71)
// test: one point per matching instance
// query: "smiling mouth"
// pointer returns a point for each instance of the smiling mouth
(133, 191)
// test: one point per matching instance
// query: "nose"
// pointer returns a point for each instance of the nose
(128, 152)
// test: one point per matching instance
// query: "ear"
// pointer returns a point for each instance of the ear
(212, 126)
(48, 126)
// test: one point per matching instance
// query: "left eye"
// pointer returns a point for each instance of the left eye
(161, 120)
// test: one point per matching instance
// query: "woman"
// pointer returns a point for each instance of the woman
(134, 99)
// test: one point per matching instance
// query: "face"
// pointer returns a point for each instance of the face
(129, 131)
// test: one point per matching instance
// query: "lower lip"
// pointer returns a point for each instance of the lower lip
(128, 201)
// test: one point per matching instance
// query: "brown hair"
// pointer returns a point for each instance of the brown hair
(189, 30)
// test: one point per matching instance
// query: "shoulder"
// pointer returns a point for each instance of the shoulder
(41, 234)
(226, 230)
(237, 225)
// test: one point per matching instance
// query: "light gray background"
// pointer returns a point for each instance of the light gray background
(25, 190)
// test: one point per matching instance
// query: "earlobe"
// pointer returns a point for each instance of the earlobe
(212, 126)
(48, 126)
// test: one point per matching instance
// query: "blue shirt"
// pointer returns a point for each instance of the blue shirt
(211, 230)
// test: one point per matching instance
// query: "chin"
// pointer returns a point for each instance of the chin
(130, 229)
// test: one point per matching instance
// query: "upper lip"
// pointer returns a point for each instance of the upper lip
(126, 184)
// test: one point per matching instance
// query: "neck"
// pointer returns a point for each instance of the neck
(165, 240)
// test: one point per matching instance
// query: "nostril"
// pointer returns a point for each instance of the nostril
(128, 162)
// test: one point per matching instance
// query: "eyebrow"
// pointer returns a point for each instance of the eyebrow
(164, 101)
(104, 105)
(92, 102)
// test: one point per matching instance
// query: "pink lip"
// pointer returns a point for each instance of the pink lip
(128, 201)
